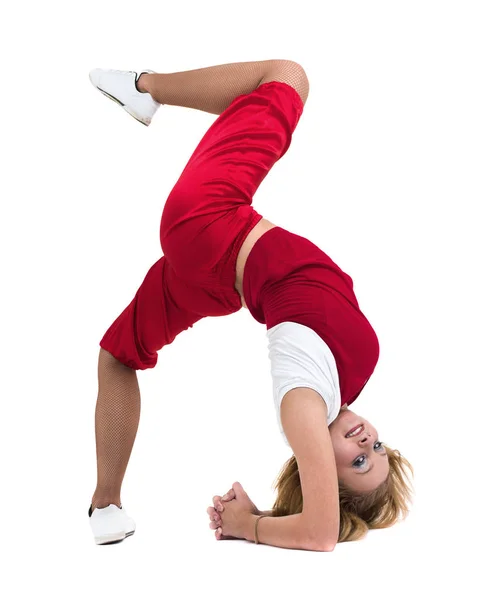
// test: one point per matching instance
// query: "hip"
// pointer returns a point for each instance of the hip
(253, 236)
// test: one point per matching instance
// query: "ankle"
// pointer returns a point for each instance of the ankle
(103, 502)
(143, 83)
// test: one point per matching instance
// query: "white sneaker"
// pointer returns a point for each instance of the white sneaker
(121, 86)
(110, 524)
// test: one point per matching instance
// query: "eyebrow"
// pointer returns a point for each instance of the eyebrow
(369, 470)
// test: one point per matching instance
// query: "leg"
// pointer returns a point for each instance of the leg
(117, 416)
(212, 89)
(217, 184)
(150, 321)
(211, 204)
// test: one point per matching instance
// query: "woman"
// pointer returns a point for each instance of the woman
(220, 255)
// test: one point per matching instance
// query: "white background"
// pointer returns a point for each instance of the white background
(382, 175)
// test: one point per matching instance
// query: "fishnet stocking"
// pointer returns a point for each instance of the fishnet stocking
(117, 417)
(117, 414)
(213, 89)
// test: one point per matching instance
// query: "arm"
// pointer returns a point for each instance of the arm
(284, 532)
(304, 420)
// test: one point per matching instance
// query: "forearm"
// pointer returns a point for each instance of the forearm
(285, 532)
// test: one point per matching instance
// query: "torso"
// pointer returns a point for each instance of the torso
(253, 236)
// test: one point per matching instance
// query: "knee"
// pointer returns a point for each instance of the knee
(292, 73)
(299, 79)
(296, 70)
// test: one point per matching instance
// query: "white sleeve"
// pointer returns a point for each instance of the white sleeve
(301, 358)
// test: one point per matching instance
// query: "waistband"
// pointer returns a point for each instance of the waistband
(286, 278)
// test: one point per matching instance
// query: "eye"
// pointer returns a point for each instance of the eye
(361, 461)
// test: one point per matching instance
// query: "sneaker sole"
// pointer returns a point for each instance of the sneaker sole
(113, 538)
(130, 112)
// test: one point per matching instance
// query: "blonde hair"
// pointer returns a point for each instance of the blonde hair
(381, 508)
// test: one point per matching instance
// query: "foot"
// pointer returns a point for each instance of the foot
(122, 87)
(110, 524)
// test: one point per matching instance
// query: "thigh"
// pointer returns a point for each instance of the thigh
(228, 165)
(155, 316)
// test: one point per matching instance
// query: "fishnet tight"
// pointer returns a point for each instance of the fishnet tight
(117, 414)
(213, 89)
(117, 417)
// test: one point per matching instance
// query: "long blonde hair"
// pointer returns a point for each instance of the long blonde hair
(378, 509)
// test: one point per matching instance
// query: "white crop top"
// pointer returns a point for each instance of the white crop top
(301, 358)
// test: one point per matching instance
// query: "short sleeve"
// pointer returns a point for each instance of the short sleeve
(300, 358)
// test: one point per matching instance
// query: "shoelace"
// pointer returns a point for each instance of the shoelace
(120, 71)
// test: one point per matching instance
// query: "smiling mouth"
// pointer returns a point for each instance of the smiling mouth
(355, 431)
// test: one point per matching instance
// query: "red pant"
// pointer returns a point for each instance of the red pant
(206, 218)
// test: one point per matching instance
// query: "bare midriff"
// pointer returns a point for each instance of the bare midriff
(253, 236)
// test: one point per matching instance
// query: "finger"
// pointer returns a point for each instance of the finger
(214, 525)
(215, 518)
(230, 495)
(217, 504)
(220, 536)
(212, 512)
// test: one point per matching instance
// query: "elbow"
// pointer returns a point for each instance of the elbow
(323, 547)
(322, 544)
(323, 541)
(328, 547)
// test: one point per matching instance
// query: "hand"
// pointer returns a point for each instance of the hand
(216, 511)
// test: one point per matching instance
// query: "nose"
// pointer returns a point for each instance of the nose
(365, 439)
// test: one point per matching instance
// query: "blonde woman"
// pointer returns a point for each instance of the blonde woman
(220, 255)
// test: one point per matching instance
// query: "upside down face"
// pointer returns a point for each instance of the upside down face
(361, 459)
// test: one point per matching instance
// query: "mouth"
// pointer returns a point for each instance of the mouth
(355, 431)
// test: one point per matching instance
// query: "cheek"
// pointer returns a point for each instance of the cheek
(344, 453)
(372, 430)
(340, 450)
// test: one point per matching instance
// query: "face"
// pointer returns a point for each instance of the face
(361, 460)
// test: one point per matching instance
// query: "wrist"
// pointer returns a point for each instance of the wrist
(249, 527)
